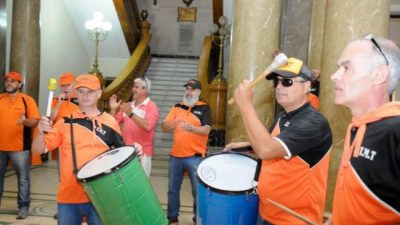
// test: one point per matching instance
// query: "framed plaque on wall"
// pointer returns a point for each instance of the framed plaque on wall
(187, 14)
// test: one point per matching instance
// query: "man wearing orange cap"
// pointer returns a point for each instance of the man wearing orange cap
(94, 133)
(66, 102)
(18, 114)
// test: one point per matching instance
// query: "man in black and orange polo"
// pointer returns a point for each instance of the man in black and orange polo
(190, 120)
(295, 152)
(368, 183)
(94, 133)
(18, 114)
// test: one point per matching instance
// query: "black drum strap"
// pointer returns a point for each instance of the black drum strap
(258, 170)
(73, 148)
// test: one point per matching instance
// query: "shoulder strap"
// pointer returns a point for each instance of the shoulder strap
(74, 163)
(27, 131)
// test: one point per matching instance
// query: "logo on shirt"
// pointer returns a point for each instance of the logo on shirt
(196, 112)
(367, 153)
(287, 124)
(101, 131)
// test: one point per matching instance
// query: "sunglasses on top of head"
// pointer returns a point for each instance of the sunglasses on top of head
(377, 47)
(286, 82)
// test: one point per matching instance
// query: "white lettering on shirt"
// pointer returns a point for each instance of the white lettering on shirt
(367, 153)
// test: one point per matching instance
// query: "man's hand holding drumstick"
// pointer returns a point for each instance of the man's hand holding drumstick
(279, 60)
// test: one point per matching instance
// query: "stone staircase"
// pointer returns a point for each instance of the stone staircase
(168, 75)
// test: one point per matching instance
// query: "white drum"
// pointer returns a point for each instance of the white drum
(227, 171)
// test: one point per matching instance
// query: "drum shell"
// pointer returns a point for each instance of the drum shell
(216, 206)
(125, 197)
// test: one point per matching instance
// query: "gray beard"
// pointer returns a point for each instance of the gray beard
(189, 101)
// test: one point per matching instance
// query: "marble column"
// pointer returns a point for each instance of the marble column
(25, 44)
(255, 34)
(345, 21)
(295, 28)
(3, 37)
(316, 34)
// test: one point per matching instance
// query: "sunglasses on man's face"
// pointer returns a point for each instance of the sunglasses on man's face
(286, 82)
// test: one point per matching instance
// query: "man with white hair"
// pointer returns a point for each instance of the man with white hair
(368, 183)
(138, 119)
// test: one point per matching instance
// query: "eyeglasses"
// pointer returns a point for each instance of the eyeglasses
(371, 38)
(286, 82)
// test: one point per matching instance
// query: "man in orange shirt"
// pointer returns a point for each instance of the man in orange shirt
(313, 96)
(190, 120)
(18, 114)
(94, 133)
(294, 152)
(66, 102)
(368, 183)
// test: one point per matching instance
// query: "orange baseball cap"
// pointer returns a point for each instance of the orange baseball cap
(14, 75)
(66, 78)
(87, 81)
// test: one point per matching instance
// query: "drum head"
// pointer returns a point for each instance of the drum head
(105, 162)
(231, 172)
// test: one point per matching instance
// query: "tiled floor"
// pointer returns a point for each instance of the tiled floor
(44, 180)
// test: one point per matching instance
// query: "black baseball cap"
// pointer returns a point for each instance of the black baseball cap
(193, 83)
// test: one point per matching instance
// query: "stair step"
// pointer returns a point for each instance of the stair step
(177, 80)
(174, 60)
(165, 92)
(168, 75)
(168, 84)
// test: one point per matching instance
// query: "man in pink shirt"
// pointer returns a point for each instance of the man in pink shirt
(138, 119)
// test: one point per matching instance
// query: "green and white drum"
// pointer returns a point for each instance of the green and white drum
(119, 189)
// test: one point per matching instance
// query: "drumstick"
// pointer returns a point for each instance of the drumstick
(279, 60)
(295, 214)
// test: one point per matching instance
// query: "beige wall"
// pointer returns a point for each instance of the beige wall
(165, 28)
(61, 47)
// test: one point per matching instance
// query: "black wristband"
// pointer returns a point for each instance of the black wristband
(131, 114)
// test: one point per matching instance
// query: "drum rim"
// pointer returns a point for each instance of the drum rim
(119, 166)
(248, 191)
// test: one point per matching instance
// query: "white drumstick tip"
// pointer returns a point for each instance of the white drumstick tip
(279, 60)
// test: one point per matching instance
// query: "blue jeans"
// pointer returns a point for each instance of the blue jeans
(72, 214)
(175, 176)
(261, 221)
(21, 164)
